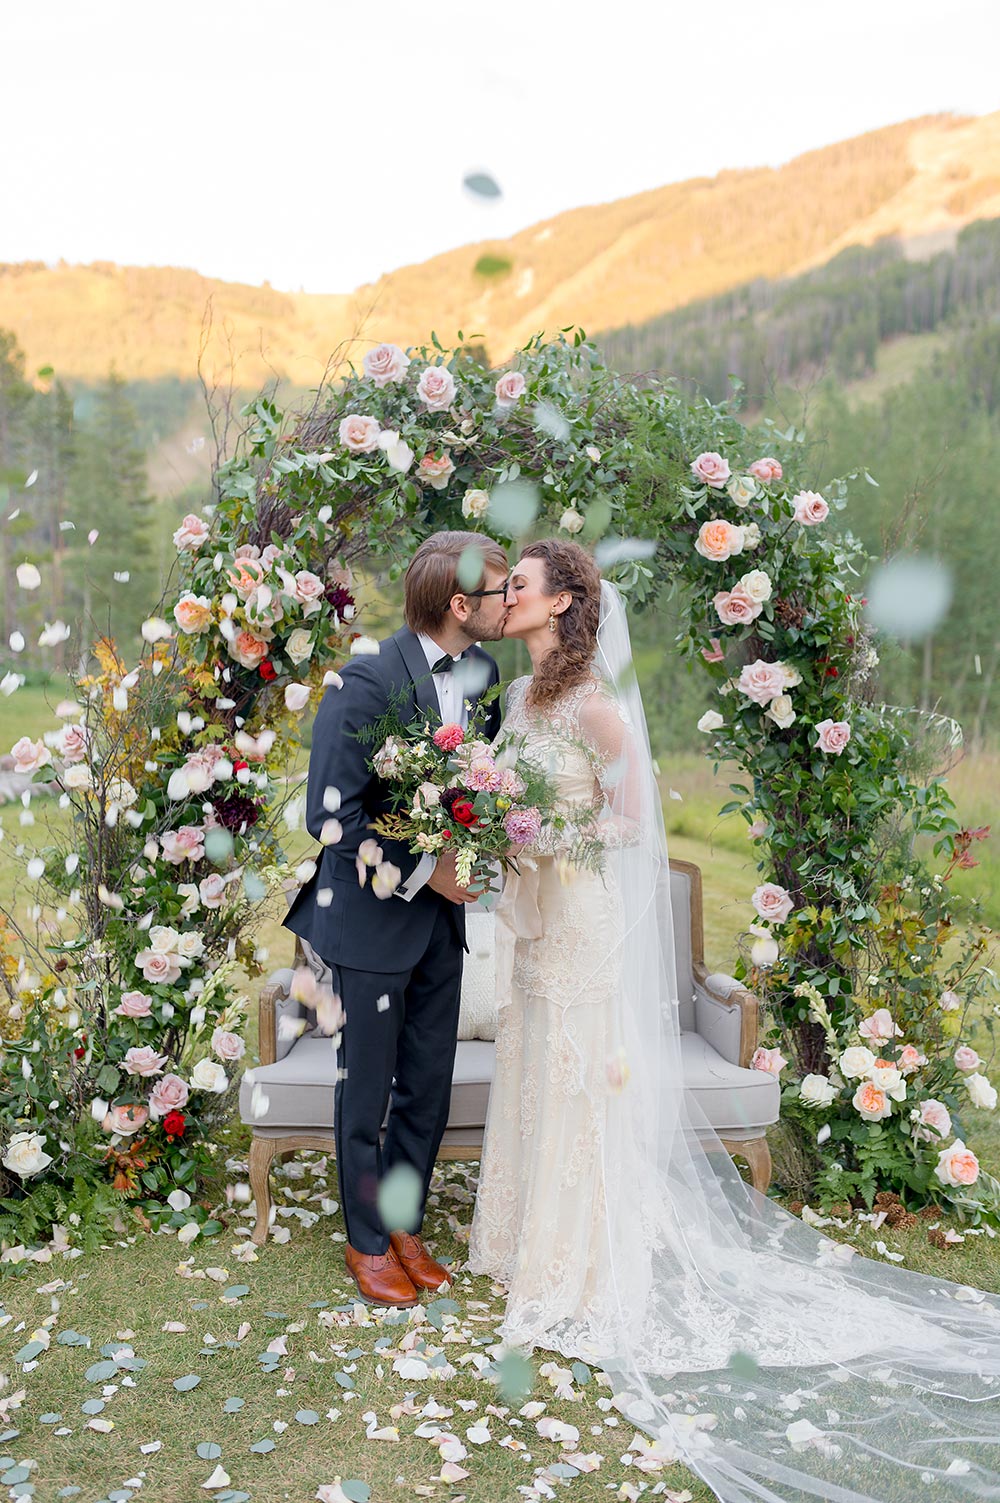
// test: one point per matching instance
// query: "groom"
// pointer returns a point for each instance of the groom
(397, 963)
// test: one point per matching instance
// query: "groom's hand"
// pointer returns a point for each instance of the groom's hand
(443, 880)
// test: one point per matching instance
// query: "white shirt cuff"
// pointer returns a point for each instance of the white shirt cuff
(417, 878)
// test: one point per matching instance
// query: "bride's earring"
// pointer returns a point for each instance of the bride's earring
(552, 620)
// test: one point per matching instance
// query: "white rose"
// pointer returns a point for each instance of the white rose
(711, 721)
(856, 1062)
(757, 584)
(816, 1090)
(121, 793)
(475, 504)
(190, 945)
(780, 711)
(890, 1080)
(751, 535)
(792, 676)
(742, 489)
(981, 1093)
(78, 777)
(299, 645)
(163, 939)
(571, 520)
(207, 1075)
(26, 1154)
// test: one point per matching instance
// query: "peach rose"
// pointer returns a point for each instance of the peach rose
(157, 968)
(957, 1165)
(30, 755)
(126, 1119)
(714, 652)
(718, 540)
(144, 1061)
(966, 1058)
(385, 363)
(246, 575)
(134, 1005)
(880, 1027)
(248, 650)
(910, 1059)
(771, 1060)
(435, 470)
(871, 1102)
(766, 470)
(359, 434)
(711, 469)
(185, 844)
(168, 1095)
(810, 508)
(772, 902)
(933, 1121)
(761, 681)
(735, 607)
(193, 613)
(228, 1046)
(436, 388)
(72, 743)
(509, 389)
(833, 735)
(191, 533)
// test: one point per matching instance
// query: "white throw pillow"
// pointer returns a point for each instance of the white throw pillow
(477, 1018)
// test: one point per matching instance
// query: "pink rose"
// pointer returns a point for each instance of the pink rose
(833, 735)
(248, 650)
(270, 554)
(935, 1121)
(359, 434)
(718, 540)
(144, 1061)
(72, 743)
(910, 1059)
(772, 902)
(246, 575)
(880, 1027)
(385, 363)
(157, 967)
(126, 1119)
(957, 1165)
(770, 1060)
(966, 1058)
(761, 681)
(247, 551)
(309, 589)
(714, 653)
(185, 844)
(30, 755)
(212, 890)
(766, 470)
(509, 388)
(810, 508)
(263, 609)
(949, 1001)
(228, 1046)
(436, 388)
(134, 1005)
(436, 470)
(168, 1095)
(757, 829)
(711, 469)
(199, 769)
(735, 607)
(193, 613)
(191, 533)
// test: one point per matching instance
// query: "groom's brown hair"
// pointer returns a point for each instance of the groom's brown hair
(432, 575)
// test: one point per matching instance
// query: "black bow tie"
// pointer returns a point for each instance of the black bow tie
(446, 664)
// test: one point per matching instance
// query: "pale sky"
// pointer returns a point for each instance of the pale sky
(319, 145)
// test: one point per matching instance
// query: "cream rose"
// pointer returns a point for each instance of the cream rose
(809, 508)
(193, 613)
(163, 938)
(832, 735)
(736, 607)
(856, 1061)
(871, 1102)
(509, 388)
(384, 364)
(168, 1095)
(121, 794)
(26, 1154)
(756, 584)
(949, 1001)
(144, 1061)
(134, 1005)
(190, 945)
(209, 1076)
(475, 504)
(435, 470)
(191, 533)
(711, 469)
(772, 902)
(981, 1093)
(761, 681)
(228, 1046)
(359, 434)
(78, 778)
(718, 540)
(571, 520)
(957, 1165)
(751, 536)
(780, 710)
(436, 388)
(888, 1078)
(299, 645)
(741, 490)
(816, 1090)
(711, 721)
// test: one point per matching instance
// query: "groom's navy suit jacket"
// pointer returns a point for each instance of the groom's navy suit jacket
(357, 929)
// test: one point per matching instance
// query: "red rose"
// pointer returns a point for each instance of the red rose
(267, 671)
(174, 1124)
(240, 766)
(463, 812)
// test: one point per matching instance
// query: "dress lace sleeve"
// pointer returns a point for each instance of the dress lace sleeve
(611, 746)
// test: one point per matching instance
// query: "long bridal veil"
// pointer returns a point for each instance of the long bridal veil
(770, 1360)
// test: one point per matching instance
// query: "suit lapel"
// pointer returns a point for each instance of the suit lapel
(415, 663)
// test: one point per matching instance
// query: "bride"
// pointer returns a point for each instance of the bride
(767, 1358)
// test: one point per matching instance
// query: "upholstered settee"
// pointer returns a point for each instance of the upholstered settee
(293, 1107)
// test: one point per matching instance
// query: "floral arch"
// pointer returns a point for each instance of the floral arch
(122, 1019)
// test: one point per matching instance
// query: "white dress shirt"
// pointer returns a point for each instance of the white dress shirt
(454, 711)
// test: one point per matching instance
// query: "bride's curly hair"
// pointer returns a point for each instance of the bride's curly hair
(569, 567)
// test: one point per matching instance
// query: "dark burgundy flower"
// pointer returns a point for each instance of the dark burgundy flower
(338, 598)
(235, 810)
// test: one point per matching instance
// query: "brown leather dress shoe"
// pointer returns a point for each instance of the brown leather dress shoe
(380, 1277)
(421, 1268)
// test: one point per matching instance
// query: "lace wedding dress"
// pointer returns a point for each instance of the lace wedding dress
(769, 1359)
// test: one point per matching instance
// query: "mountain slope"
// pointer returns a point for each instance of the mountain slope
(601, 266)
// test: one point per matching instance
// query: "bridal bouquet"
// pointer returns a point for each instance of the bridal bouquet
(453, 791)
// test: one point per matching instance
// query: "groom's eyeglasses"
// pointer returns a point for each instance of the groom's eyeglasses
(482, 594)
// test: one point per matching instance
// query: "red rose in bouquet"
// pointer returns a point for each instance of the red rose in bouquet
(458, 802)
(174, 1124)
